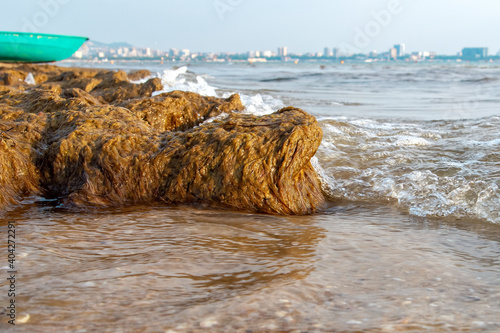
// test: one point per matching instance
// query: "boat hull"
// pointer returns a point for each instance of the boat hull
(34, 47)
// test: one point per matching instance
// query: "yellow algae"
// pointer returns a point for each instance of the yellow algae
(90, 137)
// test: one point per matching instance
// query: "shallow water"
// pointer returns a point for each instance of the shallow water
(410, 240)
(350, 268)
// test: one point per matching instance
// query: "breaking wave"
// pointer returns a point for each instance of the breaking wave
(182, 79)
(428, 168)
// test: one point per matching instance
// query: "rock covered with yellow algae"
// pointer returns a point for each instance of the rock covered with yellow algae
(91, 137)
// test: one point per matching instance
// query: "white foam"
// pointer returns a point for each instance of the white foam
(494, 142)
(258, 104)
(170, 76)
(411, 141)
(140, 81)
(372, 124)
(202, 87)
(326, 180)
(429, 171)
(261, 104)
(180, 79)
(175, 79)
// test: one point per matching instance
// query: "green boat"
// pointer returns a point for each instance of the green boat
(35, 47)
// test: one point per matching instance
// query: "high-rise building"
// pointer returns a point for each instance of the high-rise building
(400, 49)
(327, 52)
(393, 52)
(282, 51)
(471, 53)
(174, 52)
(335, 52)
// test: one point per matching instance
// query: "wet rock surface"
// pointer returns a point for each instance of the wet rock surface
(91, 137)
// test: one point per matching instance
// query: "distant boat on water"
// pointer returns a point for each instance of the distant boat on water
(35, 47)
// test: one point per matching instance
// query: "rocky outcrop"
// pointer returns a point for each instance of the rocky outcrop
(180, 110)
(90, 137)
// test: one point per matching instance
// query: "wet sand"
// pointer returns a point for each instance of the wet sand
(350, 268)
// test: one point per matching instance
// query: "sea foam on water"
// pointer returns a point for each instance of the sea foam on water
(181, 79)
(425, 170)
(173, 79)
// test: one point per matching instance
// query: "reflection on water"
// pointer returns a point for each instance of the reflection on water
(350, 268)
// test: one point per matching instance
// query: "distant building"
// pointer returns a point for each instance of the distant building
(400, 49)
(335, 52)
(282, 51)
(328, 52)
(133, 52)
(393, 52)
(472, 53)
(421, 55)
(267, 54)
(174, 52)
(254, 54)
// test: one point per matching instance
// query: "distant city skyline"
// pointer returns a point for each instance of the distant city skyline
(444, 26)
(123, 51)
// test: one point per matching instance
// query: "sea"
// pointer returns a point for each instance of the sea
(408, 241)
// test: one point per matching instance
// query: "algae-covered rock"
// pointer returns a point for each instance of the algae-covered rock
(180, 110)
(91, 137)
(248, 162)
(19, 176)
(138, 75)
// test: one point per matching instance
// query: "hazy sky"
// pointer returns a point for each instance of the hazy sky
(444, 26)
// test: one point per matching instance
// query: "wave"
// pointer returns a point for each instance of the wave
(280, 79)
(182, 79)
(481, 80)
(179, 79)
(442, 169)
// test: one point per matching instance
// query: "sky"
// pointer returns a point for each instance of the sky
(443, 26)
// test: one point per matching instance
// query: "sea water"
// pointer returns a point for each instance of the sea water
(409, 240)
